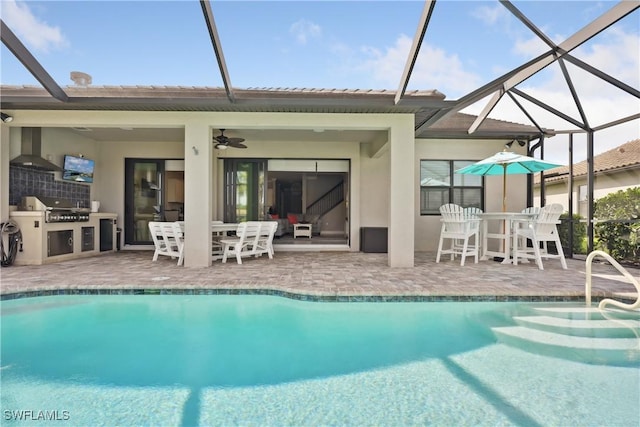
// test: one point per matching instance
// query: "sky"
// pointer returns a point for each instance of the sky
(337, 44)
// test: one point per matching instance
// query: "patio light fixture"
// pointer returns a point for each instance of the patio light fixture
(520, 142)
(5, 117)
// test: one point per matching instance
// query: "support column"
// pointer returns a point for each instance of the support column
(402, 193)
(4, 172)
(198, 195)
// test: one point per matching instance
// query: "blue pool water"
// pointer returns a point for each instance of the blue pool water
(264, 360)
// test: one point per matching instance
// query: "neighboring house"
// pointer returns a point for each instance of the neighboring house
(614, 170)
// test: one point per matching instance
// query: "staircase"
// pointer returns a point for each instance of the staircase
(584, 334)
(329, 200)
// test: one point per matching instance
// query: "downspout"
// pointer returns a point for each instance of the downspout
(539, 144)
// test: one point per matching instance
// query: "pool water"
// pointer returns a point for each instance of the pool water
(265, 360)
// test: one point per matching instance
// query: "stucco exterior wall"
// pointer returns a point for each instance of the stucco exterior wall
(374, 201)
(427, 227)
(374, 194)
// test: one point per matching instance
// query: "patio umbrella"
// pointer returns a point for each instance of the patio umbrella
(504, 163)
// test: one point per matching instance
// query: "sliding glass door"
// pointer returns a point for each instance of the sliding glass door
(244, 189)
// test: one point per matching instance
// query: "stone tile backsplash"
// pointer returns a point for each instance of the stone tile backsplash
(32, 182)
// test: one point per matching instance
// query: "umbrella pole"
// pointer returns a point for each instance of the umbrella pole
(504, 187)
(504, 205)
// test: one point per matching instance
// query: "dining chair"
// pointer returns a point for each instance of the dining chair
(245, 242)
(459, 230)
(174, 242)
(473, 214)
(542, 229)
(534, 211)
(158, 240)
(216, 236)
(178, 236)
(265, 240)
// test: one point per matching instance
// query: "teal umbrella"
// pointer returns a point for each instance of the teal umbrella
(504, 163)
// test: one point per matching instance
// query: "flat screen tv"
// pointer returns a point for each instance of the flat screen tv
(78, 169)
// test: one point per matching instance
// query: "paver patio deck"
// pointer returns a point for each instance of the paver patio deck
(322, 274)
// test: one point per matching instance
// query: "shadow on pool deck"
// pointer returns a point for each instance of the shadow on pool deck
(320, 274)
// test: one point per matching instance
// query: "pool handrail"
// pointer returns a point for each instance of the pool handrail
(622, 270)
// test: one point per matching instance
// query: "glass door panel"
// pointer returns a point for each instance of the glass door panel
(143, 198)
(245, 190)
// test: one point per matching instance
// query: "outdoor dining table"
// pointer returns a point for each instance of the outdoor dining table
(507, 220)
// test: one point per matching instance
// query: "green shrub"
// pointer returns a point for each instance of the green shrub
(617, 229)
(579, 244)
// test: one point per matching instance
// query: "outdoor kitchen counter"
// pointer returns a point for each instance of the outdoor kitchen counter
(43, 242)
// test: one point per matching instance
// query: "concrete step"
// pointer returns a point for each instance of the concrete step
(591, 350)
(588, 313)
(568, 341)
(618, 328)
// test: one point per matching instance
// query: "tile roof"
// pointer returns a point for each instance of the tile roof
(464, 121)
(624, 156)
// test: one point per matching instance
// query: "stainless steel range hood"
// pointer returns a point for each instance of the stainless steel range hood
(31, 152)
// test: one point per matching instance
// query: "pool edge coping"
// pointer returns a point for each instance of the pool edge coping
(309, 297)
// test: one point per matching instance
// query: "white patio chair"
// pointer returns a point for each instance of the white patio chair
(216, 236)
(472, 213)
(173, 240)
(245, 244)
(534, 211)
(158, 240)
(265, 241)
(542, 229)
(459, 230)
(178, 235)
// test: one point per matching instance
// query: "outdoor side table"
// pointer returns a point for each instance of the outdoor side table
(302, 230)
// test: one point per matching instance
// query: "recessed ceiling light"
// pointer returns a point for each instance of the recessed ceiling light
(81, 129)
(126, 128)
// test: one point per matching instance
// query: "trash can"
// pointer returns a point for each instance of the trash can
(373, 239)
(118, 233)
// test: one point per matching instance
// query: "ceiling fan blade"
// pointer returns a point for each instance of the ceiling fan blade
(223, 141)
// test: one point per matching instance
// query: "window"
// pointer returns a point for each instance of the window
(439, 185)
(582, 193)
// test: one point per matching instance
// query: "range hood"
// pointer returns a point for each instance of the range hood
(31, 149)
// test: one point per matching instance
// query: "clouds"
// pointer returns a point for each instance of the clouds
(615, 51)
(434, 68)
(492, 15)
(303, 30)
(36, 34)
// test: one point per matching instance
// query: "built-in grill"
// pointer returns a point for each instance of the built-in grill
(56, 210)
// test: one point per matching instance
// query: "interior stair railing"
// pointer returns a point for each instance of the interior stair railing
(327, 201)
(623, 271)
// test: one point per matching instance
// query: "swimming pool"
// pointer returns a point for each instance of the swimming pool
(264, 360)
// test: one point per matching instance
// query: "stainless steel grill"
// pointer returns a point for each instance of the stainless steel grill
(56, 210)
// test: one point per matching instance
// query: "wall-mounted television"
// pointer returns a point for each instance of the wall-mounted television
(78, 169)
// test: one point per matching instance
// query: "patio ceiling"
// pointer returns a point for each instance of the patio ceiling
(435, 116)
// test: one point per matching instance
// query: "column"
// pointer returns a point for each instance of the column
(198, 195)
(402, 193)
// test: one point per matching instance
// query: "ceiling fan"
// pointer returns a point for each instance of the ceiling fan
(223, 142)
